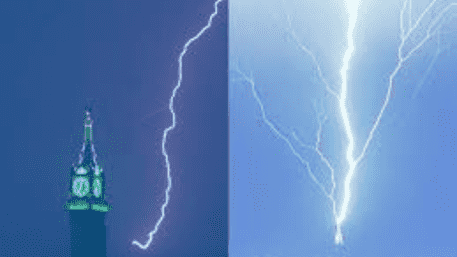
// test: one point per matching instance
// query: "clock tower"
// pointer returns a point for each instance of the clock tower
(87, 205)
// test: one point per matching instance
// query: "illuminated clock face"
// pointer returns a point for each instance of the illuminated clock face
(81, 186)
(97, 187)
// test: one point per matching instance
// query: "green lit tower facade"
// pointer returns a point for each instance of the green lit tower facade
(87, 205)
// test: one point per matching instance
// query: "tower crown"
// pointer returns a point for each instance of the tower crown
(87, 183)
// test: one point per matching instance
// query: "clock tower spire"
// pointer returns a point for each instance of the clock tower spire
(87, 205)
(88, 180)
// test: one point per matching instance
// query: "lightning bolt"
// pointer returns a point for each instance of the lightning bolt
(165, 132)
(406, 35)
(351, 7)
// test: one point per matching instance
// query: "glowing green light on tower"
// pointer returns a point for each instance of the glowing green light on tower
(88, 128)
(97, 188)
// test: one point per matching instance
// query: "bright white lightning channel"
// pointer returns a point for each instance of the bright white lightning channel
(351, 8)
(402, 56)
(165, 132)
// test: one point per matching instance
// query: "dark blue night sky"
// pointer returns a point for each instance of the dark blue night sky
(120, 58)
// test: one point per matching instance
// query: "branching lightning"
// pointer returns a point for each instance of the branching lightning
(165, 133)
(402, 56)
